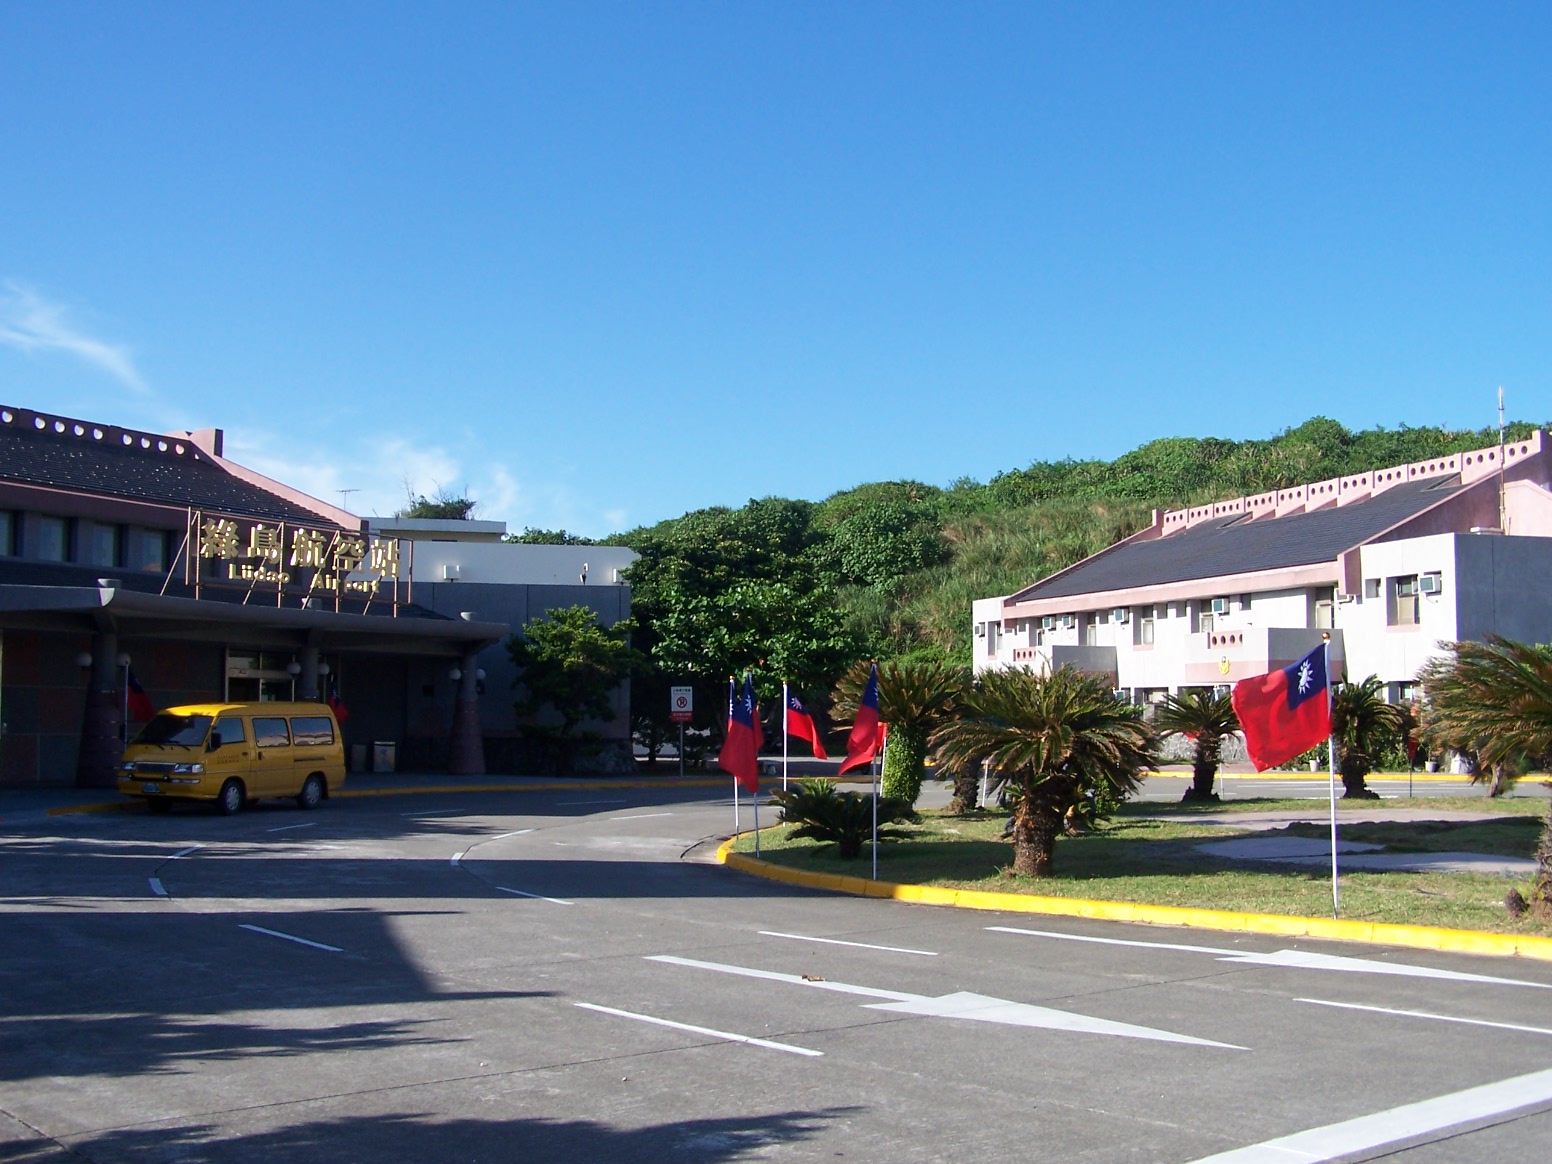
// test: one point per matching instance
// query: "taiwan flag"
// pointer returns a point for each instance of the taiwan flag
(141, 709)
(1286, 712)
(862, 745)
(336, 704)
(801, 724)
(741, 746)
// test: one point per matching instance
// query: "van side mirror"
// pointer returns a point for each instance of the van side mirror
(215, 742)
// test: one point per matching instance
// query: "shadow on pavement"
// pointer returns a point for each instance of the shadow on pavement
(418, 1139)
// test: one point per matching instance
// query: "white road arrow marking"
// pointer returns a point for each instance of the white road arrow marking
(1423, 1014)
(1296, 959)
(960, 1005)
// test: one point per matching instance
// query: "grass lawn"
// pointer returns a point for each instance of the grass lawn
(1154, 861)
(1535, 806)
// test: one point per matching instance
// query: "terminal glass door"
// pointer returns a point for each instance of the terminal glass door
(253, 675)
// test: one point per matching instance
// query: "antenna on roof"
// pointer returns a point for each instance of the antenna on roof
(345, 498)
(1503, 502)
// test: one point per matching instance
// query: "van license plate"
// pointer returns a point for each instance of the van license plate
(150, 788)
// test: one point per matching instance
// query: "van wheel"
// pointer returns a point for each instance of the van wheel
(231, 798)
(311, 795)
(159, 807)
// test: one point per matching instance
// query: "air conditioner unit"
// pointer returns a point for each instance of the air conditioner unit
(1220, 606)
(1430, 584)
(980, 630)
(1120, 614)
(1069, 621)
(450, 572)
(1048, 622)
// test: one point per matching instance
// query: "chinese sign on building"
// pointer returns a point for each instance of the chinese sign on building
(292, 559)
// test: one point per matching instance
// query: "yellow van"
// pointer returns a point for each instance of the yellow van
(233, 753)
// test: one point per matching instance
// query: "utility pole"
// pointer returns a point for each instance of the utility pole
(1503, 501)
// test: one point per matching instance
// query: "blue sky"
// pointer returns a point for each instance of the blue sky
(603, 263)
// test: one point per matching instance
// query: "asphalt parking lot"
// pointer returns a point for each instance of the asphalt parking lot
(559, 975)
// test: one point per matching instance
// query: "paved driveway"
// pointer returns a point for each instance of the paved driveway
(547, 977)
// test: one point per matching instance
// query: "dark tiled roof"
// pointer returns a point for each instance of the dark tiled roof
(1233, 545)
(140, 470)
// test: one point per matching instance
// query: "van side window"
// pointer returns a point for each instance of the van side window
(312, 731)
(228, 730)
(271, 733)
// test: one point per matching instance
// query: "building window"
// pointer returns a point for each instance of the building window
(103, 548)
(1244, 602)
(1205, 623)
(1091, 630)
(151, 552)
(1404, 607)
(1371, 587)
(53, 539)
(1145, 628)
(7, 533)
(1325, 608)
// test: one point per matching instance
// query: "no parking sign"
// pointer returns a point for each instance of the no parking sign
(681, 704)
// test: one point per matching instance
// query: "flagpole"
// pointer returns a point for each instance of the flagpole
(731, 688)
(785, 707)
(1336, 893)
(876, 768)
(756, 822)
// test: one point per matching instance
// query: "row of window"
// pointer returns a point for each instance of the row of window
(307, 731)
(43, 537)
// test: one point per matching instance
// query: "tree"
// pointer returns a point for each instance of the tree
(444, 506)
(569, 663)
(1206, 718)
(547, 537)
(1061, 739)
(1495, 698)
(915, 696)
(1364, 725)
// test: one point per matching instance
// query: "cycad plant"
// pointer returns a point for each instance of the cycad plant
(844, 819)
(1364, 725)
(1206, 718)
(914, 697)
(1063, 742)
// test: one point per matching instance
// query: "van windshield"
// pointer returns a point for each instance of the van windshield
(186, 731)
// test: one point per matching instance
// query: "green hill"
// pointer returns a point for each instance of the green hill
(799, 589)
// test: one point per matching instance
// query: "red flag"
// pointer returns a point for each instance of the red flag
(739, 748)
(336, 704)
(862, 744)
(141, 709)
(801, 724)
(1286, 712)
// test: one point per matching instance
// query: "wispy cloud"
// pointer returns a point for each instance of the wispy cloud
(30, 323)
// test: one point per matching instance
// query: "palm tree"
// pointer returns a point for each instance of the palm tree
(1363, 723)
(1480, 696)
(1495, 699)
(914, 697)
(1060, 739)
(1206, 718)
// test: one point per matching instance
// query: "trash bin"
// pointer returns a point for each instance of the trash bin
(384, 755)
(358, 757)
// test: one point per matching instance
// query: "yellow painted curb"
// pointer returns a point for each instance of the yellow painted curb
(1374, 933)
(107, 806)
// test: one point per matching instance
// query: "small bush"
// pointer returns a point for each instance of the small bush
(844, 819)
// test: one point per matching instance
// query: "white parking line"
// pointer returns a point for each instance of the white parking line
(1410, 1122)
(434, 812)
(642, 816)
(574, 803)
(729, 1036)
(515, 833)
(838, 942)
(156, 886)
(185, 852)
(285, 828)
(1423, 1014)
(535, 896)
(458, 856)
(291, 938)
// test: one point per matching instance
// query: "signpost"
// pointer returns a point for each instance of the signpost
(681, 710)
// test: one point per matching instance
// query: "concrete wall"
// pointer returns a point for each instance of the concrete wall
(1504, 587)
(515, 605)
(520, 565)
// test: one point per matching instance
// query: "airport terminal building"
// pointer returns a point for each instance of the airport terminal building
(127, 553)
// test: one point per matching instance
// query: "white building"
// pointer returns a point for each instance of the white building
(1390, 562)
